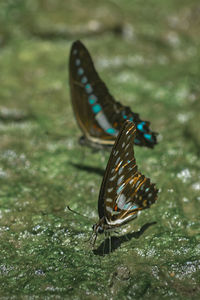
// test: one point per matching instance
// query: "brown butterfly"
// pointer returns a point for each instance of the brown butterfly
(124, 191)
(99, 116)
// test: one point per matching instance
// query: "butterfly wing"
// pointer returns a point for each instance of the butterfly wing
(124, 190)
(88, 94)
(99, 116)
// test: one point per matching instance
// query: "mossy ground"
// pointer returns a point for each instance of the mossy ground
(148, 53)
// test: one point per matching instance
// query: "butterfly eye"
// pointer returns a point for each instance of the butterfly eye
(100, 230)
(97, 228)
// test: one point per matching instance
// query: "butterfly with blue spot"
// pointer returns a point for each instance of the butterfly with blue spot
(99, 116)
(124, 191)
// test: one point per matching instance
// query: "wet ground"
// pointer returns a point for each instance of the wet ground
(148, 55)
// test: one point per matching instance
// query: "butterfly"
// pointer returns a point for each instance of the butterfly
(98, 114)
(124, 191)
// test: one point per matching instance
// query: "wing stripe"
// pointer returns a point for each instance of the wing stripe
(103, 122)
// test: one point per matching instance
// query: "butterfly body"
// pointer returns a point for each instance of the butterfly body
(98, 114)
(124, 191)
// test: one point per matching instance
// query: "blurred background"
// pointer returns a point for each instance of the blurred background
(147, 53)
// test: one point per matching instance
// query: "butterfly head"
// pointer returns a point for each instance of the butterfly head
(98, 229)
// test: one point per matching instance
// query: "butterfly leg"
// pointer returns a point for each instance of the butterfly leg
(82, 156)
(104, 243)
(110, 242)
(93, 240)
(126, 238)
(107, 236)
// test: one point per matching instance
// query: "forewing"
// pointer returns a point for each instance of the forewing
(124, 190)
(88, 95)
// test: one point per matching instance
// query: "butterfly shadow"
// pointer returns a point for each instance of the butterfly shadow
(116, 241)
(89, 169)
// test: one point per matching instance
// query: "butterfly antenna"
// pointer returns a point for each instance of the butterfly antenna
(77, 213)
(93, 239)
